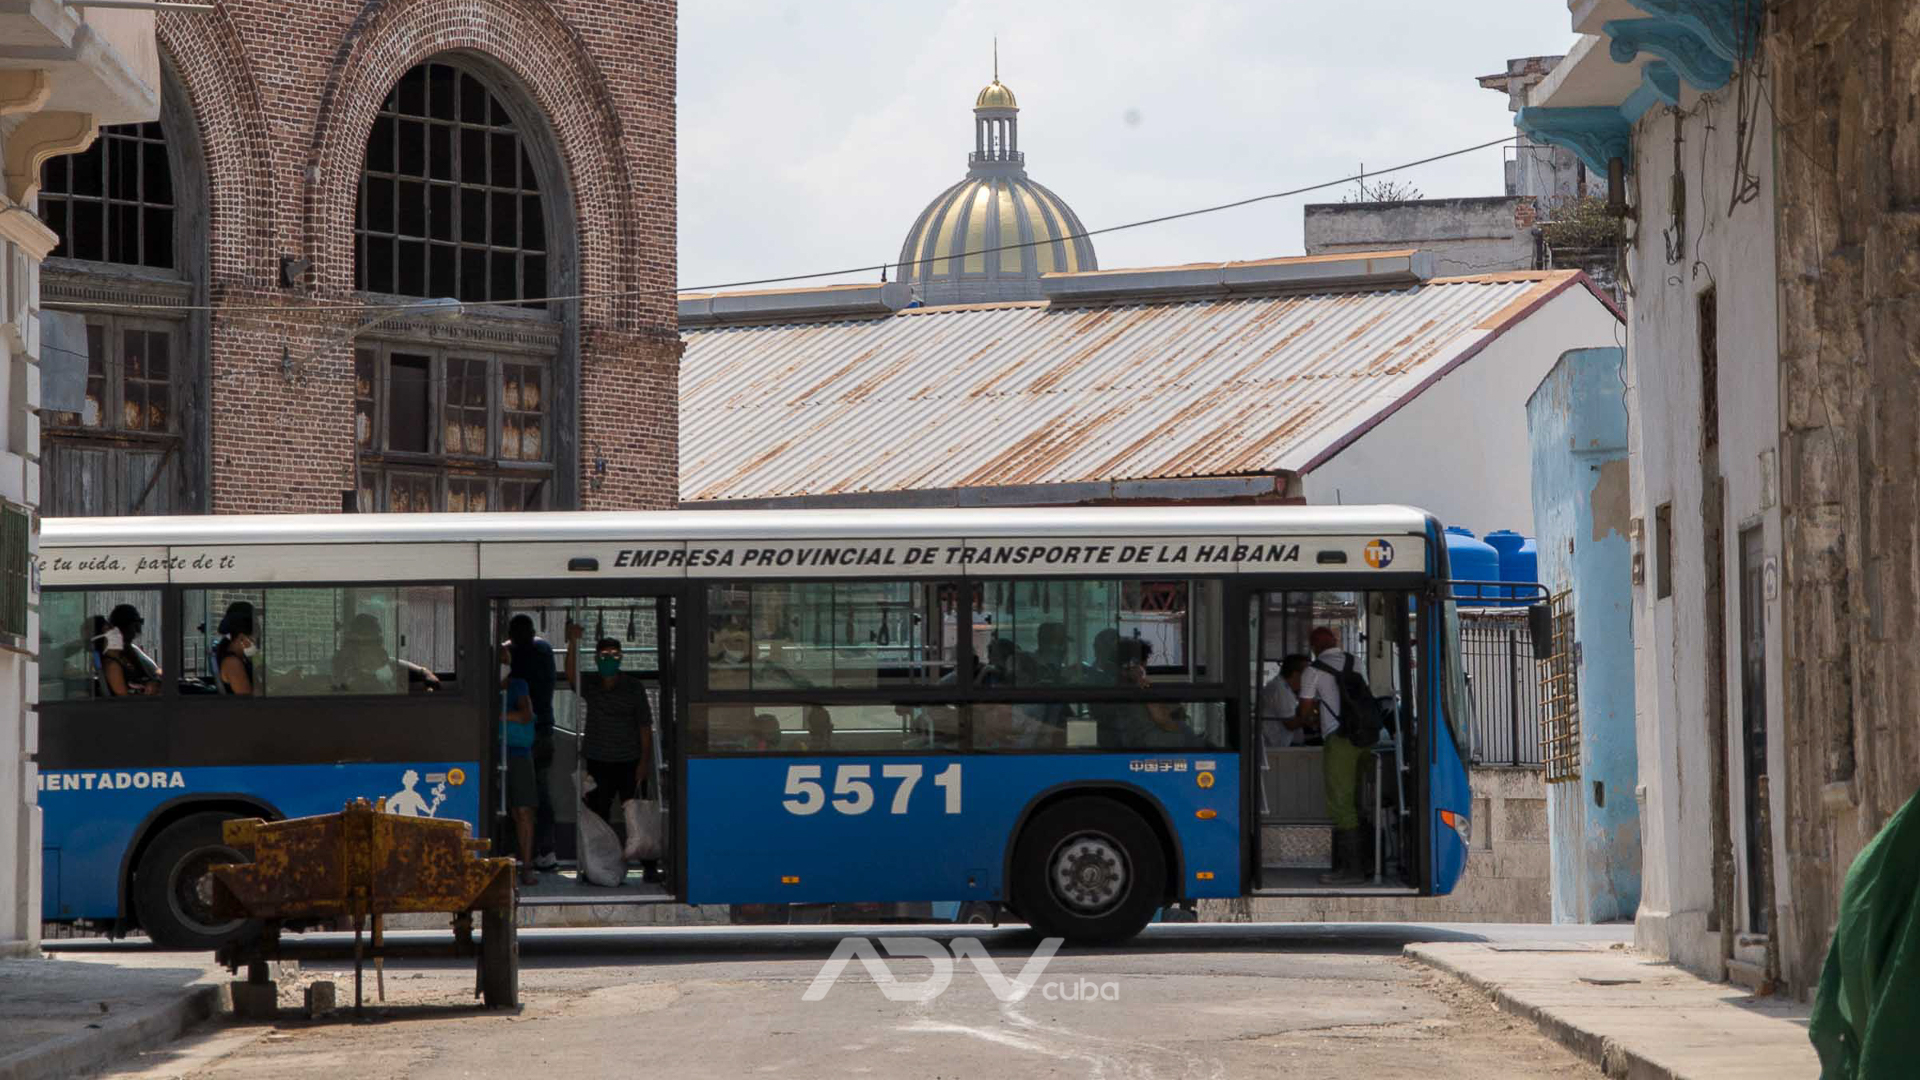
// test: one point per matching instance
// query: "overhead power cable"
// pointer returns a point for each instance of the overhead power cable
(295, 307)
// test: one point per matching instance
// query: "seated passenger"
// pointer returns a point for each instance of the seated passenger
(1136, 725)
(1049, 656)
(362, 666)
(819, 729)
(1002, 661)
(765, 733)
(233, 654)
(124, 669)
(1281, 724)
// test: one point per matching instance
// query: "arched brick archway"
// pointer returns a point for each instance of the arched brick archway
(206, 53)
(527, 50)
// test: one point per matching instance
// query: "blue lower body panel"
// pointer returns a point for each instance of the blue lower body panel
(91, 817)
(932, 828)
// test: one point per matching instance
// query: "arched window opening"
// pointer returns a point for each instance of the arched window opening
(450, 202)
(123, 375)
(113, 202)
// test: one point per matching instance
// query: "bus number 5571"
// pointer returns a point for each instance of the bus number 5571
(853, 788)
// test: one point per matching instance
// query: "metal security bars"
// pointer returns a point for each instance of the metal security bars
(1560, 697)
(1497, 649)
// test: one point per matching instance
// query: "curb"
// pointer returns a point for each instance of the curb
(121, 1036)
(1614, 1059)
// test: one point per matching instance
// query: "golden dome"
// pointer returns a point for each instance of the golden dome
(995, 95)
(989, 238)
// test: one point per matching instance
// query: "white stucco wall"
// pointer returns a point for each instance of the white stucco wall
(19, 675)
(1459, 450)
(1737, 255)
(114, 80)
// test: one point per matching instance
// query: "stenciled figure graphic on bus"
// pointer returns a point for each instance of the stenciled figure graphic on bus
(408, 802)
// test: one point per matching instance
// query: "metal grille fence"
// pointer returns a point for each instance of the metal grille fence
(1560, 698)
(1497, 648)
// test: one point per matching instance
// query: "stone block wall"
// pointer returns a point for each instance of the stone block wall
(1506, 879)
(1847, 116)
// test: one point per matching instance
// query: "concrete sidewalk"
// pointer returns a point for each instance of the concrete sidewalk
(75, 1014)
(1635, 1017)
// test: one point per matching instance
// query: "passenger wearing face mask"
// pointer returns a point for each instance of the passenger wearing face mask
(617, 738)
(123, 667)
(233, 654)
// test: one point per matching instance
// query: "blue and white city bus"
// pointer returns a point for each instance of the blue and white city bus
(1054, 712)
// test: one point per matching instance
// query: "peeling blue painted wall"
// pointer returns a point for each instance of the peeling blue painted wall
(1577, 426)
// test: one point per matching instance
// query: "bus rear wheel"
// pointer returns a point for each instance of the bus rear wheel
(173, 889)
(1090, 870)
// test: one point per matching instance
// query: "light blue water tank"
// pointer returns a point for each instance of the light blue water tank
(1519, 561)
(1472, 560)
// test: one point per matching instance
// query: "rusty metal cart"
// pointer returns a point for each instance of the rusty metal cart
(363, 864)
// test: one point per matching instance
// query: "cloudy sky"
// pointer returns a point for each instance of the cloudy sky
(812, 133)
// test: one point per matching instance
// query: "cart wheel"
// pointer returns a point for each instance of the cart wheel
(499, 959)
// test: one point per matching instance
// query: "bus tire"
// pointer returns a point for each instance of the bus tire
(499, 959)
(1090, 870)
(173, 892)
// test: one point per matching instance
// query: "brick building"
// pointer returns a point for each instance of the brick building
(252, 266)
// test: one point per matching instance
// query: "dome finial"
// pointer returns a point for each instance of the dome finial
(996, 58)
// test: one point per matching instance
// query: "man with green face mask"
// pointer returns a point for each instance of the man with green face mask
(617, 740)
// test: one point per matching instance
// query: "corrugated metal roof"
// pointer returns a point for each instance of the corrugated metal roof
(1037, 393)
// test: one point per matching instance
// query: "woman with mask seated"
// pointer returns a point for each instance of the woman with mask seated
(233, 653)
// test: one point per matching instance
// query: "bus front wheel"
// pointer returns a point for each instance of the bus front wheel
(173, 889)
(1090, 870)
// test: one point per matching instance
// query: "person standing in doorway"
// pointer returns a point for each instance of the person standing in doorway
(1342, 760)
(516, 717)
(530, 658)
(618, 739)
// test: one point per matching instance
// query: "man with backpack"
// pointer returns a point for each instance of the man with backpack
(1333, 689)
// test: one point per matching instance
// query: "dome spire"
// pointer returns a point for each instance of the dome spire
(996, 125)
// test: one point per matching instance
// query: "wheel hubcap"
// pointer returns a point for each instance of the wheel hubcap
(192, 889)
(1090, 873)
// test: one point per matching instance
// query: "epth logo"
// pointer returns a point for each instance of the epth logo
(1379, 554)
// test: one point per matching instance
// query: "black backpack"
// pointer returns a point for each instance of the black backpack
(1360, 716)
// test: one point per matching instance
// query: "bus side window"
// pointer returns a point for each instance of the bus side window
(99, 643)
(294, 642)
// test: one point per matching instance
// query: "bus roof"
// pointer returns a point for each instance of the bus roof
(1064, 523)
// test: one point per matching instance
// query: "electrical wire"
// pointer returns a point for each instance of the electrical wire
(295, 307)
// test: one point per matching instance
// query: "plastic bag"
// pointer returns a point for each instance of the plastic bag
(601, 860)
(643, 829)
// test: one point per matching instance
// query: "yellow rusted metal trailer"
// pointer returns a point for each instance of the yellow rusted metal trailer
(363, 864)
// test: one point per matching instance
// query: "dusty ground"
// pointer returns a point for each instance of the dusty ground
(640, 1005)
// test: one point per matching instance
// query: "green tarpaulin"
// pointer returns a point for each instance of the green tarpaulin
(1866, 1017)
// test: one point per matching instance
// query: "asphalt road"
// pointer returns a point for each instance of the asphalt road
(1212, 1000)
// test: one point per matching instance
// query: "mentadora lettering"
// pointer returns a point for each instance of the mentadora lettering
(111, 781)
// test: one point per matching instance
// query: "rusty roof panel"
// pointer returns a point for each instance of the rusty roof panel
(1021, 394)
